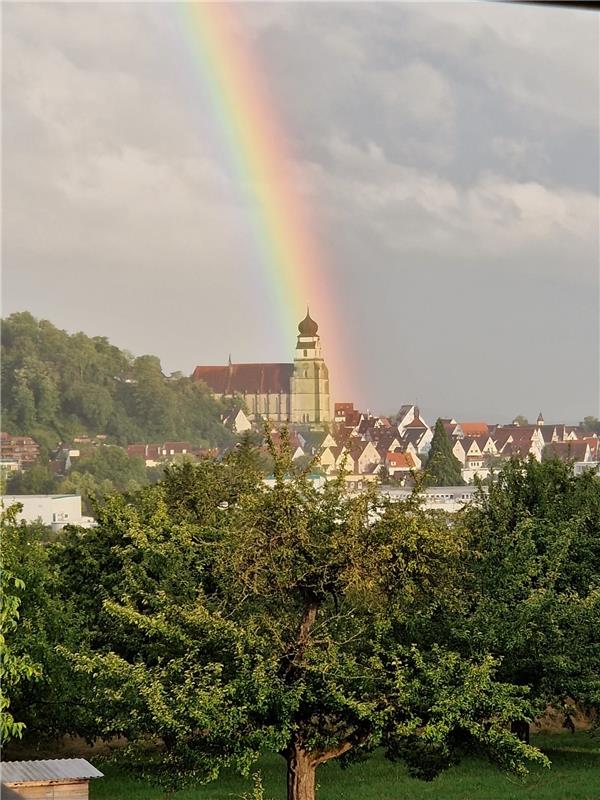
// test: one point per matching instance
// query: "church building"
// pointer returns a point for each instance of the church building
(296, 393)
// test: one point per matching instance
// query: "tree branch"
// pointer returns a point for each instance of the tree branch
(320, 757)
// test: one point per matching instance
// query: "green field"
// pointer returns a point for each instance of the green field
(575, 775)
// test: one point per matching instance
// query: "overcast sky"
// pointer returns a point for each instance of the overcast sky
(450, 153)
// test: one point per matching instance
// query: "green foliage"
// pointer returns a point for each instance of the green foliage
(59, 385)
(16, 666)
(37, 479)
(534, 580)
(442, 467)
(42, 688)
(520, 420)
(227, 619)
(591, 424)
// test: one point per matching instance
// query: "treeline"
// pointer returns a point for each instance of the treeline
(224, 619)
(56, 386)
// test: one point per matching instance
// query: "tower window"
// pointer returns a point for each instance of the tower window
(305, 353)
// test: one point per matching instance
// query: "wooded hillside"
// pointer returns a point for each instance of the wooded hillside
(58, 385)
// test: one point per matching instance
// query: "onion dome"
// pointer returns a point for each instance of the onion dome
(308, 327)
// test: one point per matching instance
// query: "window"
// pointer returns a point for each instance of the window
(305, 353)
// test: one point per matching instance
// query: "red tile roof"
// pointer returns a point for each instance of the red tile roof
(474, 428)
(400, 461)
(246, 378)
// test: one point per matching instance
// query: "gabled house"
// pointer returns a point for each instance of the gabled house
(574, 450)
(400, 464)
(237, 421)
(419, 438)
(328, 459)
(313, 442)
(470, 429)
(487, 446)
(345, 414)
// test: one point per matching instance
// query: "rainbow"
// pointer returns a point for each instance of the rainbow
(292, 258)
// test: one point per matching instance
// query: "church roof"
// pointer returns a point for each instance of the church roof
(246, 378)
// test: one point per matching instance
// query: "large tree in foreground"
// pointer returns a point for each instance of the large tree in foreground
(231, 619)
(533, 573)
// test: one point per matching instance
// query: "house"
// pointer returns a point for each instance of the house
(313, 442)
(155, 454)
(418, 438)
(579, 451)
(549, 433)
(22, 449)
(519, 440)
(405, 415)
(399, 464)
(470, 429)
(176, 448)
(388, 439)
(328, 459)
(364, 456)
(55, 779)
(8, 465)
(357, 457)
(345, 414)
(236, 421)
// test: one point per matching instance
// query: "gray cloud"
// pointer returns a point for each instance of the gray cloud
(448, 154)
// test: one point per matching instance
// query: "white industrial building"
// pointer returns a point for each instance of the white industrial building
(53, 510)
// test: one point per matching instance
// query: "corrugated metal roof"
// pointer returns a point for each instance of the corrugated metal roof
(54, 769)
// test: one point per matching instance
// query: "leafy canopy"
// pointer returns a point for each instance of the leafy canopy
(227, 618)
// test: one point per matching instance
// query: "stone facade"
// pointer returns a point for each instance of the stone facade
(309, 387)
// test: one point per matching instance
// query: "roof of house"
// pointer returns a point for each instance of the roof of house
(53, 769)
(400, 460)
(246, 378)
(468, 441)
(417, 423)
(575, 450)
(474, 428)
(412, 436)
(313, 439)
(547, 432)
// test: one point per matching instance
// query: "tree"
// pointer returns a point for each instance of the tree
(64, 385)
(591, 424)
(36, 479)
(15, 666)
(442, 467)
(520, 420)
(227, 618)
(531, 568)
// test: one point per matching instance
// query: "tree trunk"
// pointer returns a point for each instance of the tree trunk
(520, 730)
(302, 768)
(301, 775)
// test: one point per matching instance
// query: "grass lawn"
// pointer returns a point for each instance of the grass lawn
(575, 775)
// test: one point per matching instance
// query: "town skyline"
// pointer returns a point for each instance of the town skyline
(448, 155)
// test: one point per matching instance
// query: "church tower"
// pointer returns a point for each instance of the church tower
(310, 382)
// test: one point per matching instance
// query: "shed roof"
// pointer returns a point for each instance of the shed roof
(53, 769)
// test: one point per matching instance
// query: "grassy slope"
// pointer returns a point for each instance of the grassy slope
(575, 775)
